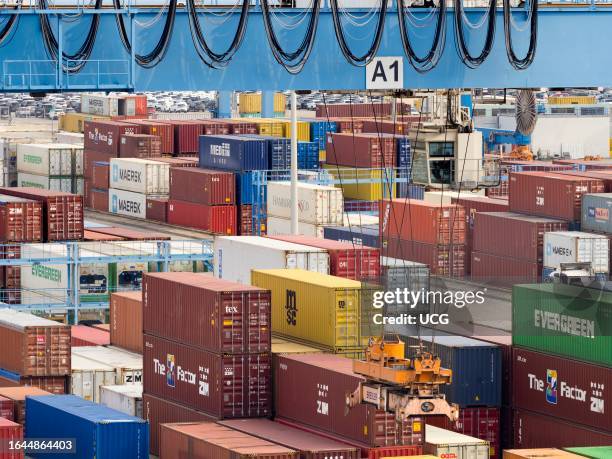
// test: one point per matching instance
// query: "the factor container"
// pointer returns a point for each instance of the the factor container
(224, 386)
(212, 188)
(18, 396)
(235, 317)
(33, 346)
(139, 146)
(88, 376)
(263, 253)
(361, 150)
(577, 247)
(20, 220)
(215, 219)
(597, 212)
(97, 430)
(233, 153)
(445, 443)
(105, 136)
(318, 204)
(10, 432)
(125, 398)
(139, 175)
(126, 320)
(127, 365)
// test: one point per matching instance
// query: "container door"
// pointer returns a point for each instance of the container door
(78, 161)
(55, 162)
(66, 156)
(347, 332)
(319, 262)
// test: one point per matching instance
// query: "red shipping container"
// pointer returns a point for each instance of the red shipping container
(99, 200)
(604, 175)
(7, 408)
(348, 125)
(18, 396)
(53, 384)
(105, 136)
(91, 157)
(214, 127)
(549, 194)
(533, 430)
(82, 335)
(93, 236)
(504, 271)
(140, 146)
(497, 233)
(581, 164)
(443, 260)
(217, 315)
(311, 390)
(157, 209)
(241, 127)
(202, 186)
(20, 220)
(370, 109)
(140, 104)
(130, 234)
(215, 219)
(164, 131)
(10, 433)
(562, 388)
(186, 133)
(346, 260)
(224, 386)
(126, 320)
(414, 220)
(361, 150)
(245, 219)
(179, 162)
(380, 126)
(158, 411)
(517, 165)
(100, 177)
(11, 275)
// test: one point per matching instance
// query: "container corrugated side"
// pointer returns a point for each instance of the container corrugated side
(51, 384)
(20, 220)
(597, 212)
(10, 433)
(7, 408)
(215, 219)
(276, 226)
(18, 396)
(126, 320)
(88, 376)
(444, 443)
(318, 204)
(202, 186)
(82, 335)
(127, 365)
(233, 153)
(139, 175)
(126, 398)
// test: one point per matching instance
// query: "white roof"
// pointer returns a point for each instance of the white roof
(80, 363)
(436, 436)
(21, 320)
(269, 243)
(110, 355)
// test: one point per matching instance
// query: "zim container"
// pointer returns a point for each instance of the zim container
(202, 186)
(233, 153)
(97, 430)
(18, 396)
(597, 213)
(215, 219)
(236, 317)
(126, 320)
(224, 386)
(20, 220)
(313, 308)
(361, 150)
(127, 365)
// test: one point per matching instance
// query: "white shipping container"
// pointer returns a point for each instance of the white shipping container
(278, 225)
(262, 253)
(127, 365)
(126, 398)
(359, 219)
(317, 204)
(445, 197)
(73, 138)
(99, 104)
(577, 247)
(139, 175)
(49, 159)
(45, 182)
(88, 376)
(444, 443)
(127, 203)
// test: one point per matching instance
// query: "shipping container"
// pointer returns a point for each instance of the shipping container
(88, 376)
(361, 150)
(276, 226)
(202, 186)
(596, 213)
(215, 219)
(102, 104)
(105, 136)
(564, 320)
(543, 453)
(362, 184)
(127, 203)
(365, 235)
(164, 131)
(139, 146)
(97, 430)
(82, 335)
(127, 365)
(444, 443)
(186, 133)
(75, 122)
(140, 176)
(577, 247)
(126, 398)
(91, 157)
(318, 204)
(214, 127)
(126, 320)
(51, 384)
(319, 129)
(604, 175)
(443, 260)
(318, 401)
(365, 110)
(131, 234)
(262, 253)
(179, 162)
(245, 220)
(446, 197)
(237, 127)
(99, 200)
(594, 452)
(398, 127)
(50, 159)
(36, 346)
(403, 274)
(7, 408)
(20, 220)
(233, 153)
(157, 209)
(67, 184)
(503, 271)
(18, 396)
(100, 175)
(11, 434)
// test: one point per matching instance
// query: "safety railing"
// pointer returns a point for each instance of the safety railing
(29, 75)
(99, 74)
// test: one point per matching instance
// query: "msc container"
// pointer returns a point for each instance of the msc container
(18, 396)
(550, 195)
(443, 260)
(127, 399)
(224, 386)
(164, 131)
(320, 383)
(105, 136)
(318, 204)
(346, 260)
(157, 209)
(127, 203)
(233, 153)
(139, 146)
(262, 253)
(562, 388)
(215, 219)
(126, 320)
(276, 226)
(97, 430)
(594, 452)
(543, 453)
(503, 271)
(366, 235)
(82, 335)
(88, 376)
(444, 443)
(597, 212)
(361, 150)
(20, 220)
(564, 320)
(139, 175)
(310, 446)
(50, 159)
(33, 346)
(577, 247)
(127, 365)
(202, 186)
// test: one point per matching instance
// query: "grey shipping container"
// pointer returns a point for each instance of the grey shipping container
(597, 212)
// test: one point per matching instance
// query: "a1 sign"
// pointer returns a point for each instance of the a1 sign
(385, 73)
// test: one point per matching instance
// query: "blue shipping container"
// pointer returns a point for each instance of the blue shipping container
(367, 235)
(97, 431)
(279, 150)
(319, 131)
(410, 191)
(308, 155)
(233, 153)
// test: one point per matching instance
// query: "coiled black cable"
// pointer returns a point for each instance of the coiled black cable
(292, 61)
(462, 49)
(424, 64)
(367, 57)
(10, 24)
(521, 64)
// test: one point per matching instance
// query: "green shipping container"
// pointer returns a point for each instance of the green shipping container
(564, 320)
(593, 452)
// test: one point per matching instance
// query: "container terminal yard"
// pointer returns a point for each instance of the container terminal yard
(275, 229)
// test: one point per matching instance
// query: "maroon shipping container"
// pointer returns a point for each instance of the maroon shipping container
(215, 314)
(562, 388)
(549, 194)
(105, 136)
(179, 162)
(348, 125)
(11, 433)
(157, 209)
(414, 220)
(504, 271)
(20, 220)
(361, 150)
(140, 146)
(131, 234)
(345, 259)
(126, 320)
(518, 165)
(214, 127)
(245, 219)
(82, 335)
(496, 233)
(158, 411)
(215, 219)
(54, 384)
(202, 186)
(186, 135)
(91, 157)
(311, 389)
(600, 164)
(7, 408)
(89, 235)
(241, 127)
(164, 131)
(100, 177)
(368, 109)
(99, 200)
(533, 430)
(310, 446)
(62, 212)
(604, 175)
(224, 386)
(443, 260)
(11, 275)
(379, 126)
(18, 395)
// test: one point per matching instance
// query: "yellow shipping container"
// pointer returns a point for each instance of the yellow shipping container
(283, 346)
(303, 128)
(572, 100)
(312, 308)
(74, 122)
(323, 155)
(280, 102)
(359, 189)
(249, 103)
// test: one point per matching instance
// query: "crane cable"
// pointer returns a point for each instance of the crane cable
(517, 63)
(467, 58)
(10, 24)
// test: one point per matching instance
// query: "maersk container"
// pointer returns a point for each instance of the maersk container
(597, 212)
(444, 443)
(277, 226)
(592, 452)
(50, 159)
(577, 247)
(317, 309)
(127, 365)
(233, 153)
(127, 203)
(564, 320)
(126, 398)
(88, 376)
(97, 431)
(140, 175)
(318, 204)
(262, 253)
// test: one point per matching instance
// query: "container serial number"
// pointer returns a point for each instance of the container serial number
(42, 445)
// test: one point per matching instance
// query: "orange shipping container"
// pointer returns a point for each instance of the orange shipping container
(18, 396)
(126, 321)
